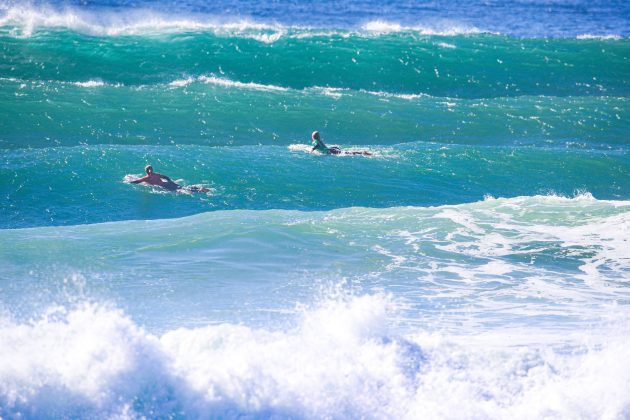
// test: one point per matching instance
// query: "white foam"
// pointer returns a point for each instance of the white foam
(444, 29)
(332, 92)
(182, 82)
(90, 83)
(601, 37)
(580, 228)
(335, 93)
(109, 22)
(130, 22)
(446, 45)
(248, 85)
(83, 84)
(300, 148)
(406, 96)
(212, 79)
(382, 26)
(461, 217)
(268, 38)
(339, 359)
(312, 33)
(220, 81)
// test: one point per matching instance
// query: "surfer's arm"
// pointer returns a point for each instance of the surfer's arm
(139, 180)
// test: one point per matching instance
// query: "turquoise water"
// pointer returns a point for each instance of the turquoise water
(450, 120)
(475, 266)
(84, 184)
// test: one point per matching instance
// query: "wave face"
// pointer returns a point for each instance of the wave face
(215, 111)
(455, 252)
(467, 257)
(404, 62)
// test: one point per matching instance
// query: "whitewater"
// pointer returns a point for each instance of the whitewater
(476, 265)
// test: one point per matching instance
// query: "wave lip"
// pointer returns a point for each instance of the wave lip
(93, 83)
(332, 92)
(444, 29)
(219, 81)
(137, 22)
(600, 37)
(130, 22)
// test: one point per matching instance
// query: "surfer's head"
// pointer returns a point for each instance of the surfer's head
(148, 169)
(315, 135)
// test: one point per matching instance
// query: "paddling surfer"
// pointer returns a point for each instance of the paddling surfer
(161, 180)
(319, 145)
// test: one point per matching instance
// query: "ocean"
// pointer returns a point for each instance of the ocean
(475, 266)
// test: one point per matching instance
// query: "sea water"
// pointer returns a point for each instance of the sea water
(476, 265)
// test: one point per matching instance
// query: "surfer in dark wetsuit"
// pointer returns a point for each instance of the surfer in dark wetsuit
(319, 145)
(157, 179)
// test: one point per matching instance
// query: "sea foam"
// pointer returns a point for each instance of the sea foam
(224, 82)
(338, 360)
(28, 20)
(443, 29)
(609, 37)
(129, 22)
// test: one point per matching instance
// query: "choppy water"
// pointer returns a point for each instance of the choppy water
(476, 266)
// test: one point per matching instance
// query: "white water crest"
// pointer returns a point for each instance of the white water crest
(610, 37)
(28, 20)
(440, 29)
(90, 83)
(332, 92)
(338, 360)
(539, 263)
(224, 82)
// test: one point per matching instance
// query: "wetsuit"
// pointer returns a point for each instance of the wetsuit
(320, 146)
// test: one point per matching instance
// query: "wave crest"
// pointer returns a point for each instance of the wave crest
(27, 20)
(444, 29)
(130, 22)
(219, 81)
(339, 358)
